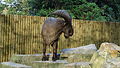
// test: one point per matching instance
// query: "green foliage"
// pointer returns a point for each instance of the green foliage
(44, 12)
(20, 9)
(88, 11)
(14, 11)
(79, 9)
(99, 10)
(2, 8)
(112, 10)
(9, 1)
(44, 4)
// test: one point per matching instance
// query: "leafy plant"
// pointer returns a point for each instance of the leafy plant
(99, 10)
(89, 11)
(44, 12)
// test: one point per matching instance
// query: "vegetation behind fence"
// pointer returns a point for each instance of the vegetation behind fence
(22, 34)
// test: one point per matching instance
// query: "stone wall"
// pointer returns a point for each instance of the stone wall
(21, 34)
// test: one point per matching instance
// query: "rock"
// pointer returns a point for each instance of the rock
(26, 59)
(13, 65)
(110, 48)
(88, 49)
(83, 53)
(79, 58)
(114, 63)
(49, 64)
(97, 61)
(106, 56)
(78, 65)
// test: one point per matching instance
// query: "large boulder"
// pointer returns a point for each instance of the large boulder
(107, 56)
(87, 49)
(83, 53)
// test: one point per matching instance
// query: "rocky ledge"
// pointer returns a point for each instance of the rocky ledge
(107, 56)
